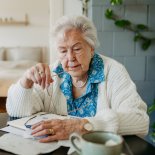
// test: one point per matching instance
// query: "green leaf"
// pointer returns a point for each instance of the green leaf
(153, 135)
(116, 2)
(122, 23)
(109, 13)
(146, 44)
(137, 37)
(141, 27)
(153, 126)
(151, 108)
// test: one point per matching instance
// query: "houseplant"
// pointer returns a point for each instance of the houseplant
(151, 110)
(137, 29)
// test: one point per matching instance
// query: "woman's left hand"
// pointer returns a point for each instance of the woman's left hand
(57, 129)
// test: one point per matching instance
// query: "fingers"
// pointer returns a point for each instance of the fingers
(46, 125)
(40, 74)
(43, 132)
(54, 129)
(40, 127)
(39, 123)
(50, 128)
(49, 139)
(30, 75)
(44, 128)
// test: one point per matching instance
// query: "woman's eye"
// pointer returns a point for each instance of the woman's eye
(77, 49)
(63, 51)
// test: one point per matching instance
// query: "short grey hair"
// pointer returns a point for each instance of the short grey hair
(81, 23)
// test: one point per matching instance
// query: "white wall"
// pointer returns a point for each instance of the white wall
(35, 34)
(72, 7)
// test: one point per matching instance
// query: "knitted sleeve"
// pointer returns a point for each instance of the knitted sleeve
(126, 113)
(23, 102)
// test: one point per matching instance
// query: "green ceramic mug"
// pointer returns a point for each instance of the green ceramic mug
(97, 143)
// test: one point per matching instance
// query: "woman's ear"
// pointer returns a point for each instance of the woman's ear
(92, 52)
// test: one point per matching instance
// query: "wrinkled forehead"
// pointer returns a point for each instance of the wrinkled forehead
(70, 35)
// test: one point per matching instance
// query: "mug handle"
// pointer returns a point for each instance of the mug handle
(74, 137)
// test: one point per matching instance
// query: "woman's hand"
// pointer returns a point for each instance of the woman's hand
(58, 129)
(39, 74)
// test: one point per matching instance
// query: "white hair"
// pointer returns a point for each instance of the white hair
(81, 23)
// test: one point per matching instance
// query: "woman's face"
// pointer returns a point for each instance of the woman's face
(75, 53)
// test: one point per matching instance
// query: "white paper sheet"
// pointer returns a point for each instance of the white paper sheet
(18, 129)
(20, 123)
(20, 146)
(24, 134)
(13, 130)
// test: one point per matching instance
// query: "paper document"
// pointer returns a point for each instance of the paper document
(20, 137)
(19, 132)
(13, 130)
(20, 123)
(20, 146)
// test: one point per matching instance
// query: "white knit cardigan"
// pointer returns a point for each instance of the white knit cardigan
(119, 107)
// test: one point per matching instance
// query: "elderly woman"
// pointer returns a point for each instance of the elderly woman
(97, 90)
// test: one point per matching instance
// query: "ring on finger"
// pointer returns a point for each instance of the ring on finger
(40, 72)
(51, 131)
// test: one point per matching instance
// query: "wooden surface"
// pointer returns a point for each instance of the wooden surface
(3, 119)
(2, 104)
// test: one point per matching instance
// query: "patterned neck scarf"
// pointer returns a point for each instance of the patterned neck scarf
(85, 105)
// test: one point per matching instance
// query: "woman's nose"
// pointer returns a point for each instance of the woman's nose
(70, 55)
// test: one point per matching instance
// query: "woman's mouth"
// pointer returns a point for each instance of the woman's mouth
(75, 67)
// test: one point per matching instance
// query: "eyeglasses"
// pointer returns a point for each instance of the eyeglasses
(41, 117)
(53, 76)
(27, 124)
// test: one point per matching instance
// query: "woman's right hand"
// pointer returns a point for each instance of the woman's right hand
(39, 74)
